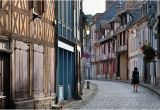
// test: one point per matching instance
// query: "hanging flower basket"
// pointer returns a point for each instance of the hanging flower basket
(149, 52)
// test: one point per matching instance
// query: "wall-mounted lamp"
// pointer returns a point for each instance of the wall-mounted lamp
(54, 23)
(87, 32)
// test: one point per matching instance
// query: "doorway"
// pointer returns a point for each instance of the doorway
(4, 80)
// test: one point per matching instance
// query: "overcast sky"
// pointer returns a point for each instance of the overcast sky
(93, 6)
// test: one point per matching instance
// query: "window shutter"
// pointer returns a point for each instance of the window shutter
(30, 5)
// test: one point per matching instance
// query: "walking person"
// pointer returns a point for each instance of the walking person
(135, 78)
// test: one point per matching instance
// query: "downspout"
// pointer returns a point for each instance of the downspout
(11, 55)
(127, 53)
(75, 50)
(56, 52)
(155, 32)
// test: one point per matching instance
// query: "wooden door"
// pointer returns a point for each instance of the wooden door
(4, 81)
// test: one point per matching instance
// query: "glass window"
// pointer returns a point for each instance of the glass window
(65, 11)
(38, 7)
(60, 3)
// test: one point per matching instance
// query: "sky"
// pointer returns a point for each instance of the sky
(93, 6)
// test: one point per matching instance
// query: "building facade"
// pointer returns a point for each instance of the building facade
(138, 25)
(69, 50)
(100, 67)
(142, 34)
(27, 35)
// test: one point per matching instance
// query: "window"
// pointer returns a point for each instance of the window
(151, 37)
(108, 47)
(38, 6)
(123, 20)
(113, 49)
(112, 25)
(124, 38)
(0, 4)
(104, 48)
(131, 45)
(120, 38)
(30, 5)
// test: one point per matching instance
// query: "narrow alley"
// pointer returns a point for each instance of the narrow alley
(119, 95)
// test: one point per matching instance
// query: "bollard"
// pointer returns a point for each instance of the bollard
(88, 85)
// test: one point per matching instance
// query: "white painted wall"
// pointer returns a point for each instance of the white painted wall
(138, 35)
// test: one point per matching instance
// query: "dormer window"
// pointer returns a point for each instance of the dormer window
(123, 20)
(143, 9)
(112, 25)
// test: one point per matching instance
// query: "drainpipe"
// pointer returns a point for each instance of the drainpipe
(11, 56)
(127, 55)
(56, 78)
(156, 35)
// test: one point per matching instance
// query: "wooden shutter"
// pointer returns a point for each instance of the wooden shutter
(38, 70)
(22, 70)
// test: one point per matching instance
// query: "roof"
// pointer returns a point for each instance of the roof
(115, 19)
(105, 24)
(109, 14)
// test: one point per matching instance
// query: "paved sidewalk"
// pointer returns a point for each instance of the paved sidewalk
(152, 87)
(87, 95)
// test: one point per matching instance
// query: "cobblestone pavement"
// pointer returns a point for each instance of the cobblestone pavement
(119, 95)
(88, 94)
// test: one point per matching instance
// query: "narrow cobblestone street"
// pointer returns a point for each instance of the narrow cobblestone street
(119, 95)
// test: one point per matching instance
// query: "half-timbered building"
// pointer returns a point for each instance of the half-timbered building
(27, 53)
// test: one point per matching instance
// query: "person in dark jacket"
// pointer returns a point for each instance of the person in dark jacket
(135, 78)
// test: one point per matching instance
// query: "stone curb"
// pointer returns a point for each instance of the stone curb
(75, 104)
(158, 93)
